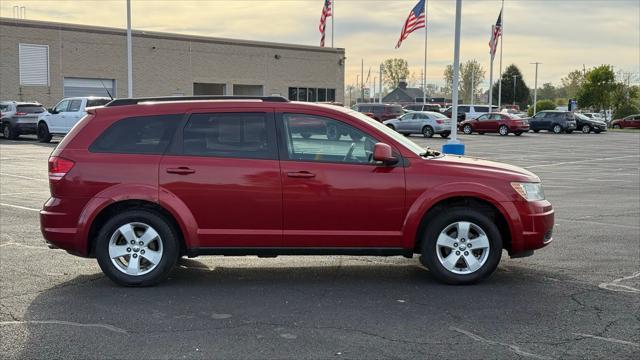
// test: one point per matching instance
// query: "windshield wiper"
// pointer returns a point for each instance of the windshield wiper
(430, 152)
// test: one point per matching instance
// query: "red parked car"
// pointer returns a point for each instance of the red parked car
(139, 185)
(631, 121)
(495, 122)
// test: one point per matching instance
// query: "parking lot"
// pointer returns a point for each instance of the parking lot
(577, 298)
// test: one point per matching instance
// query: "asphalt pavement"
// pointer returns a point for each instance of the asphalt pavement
(577, 298)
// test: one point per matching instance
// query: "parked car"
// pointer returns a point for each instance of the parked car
(381, 112)
(423, 107)
(426, 123)
(19, 118)
(496, 122)
(596, 116)
(587, 124)
(466, 112)
(138, 185)
(631, 121)
(61, 118)
(553, 120)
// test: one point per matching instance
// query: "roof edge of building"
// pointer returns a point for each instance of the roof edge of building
(162, 35)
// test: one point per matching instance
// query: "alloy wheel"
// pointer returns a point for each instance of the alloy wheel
(586, 129)
(467, 129)
(135, 249)
(463, 247)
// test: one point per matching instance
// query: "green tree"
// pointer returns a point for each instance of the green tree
(470, 78)
(395, 70)
(571, 84)
(547, 92)
(545, 104)
(597, 89)
(521, 91)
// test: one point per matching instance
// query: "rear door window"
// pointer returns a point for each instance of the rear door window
(75, 105)
(482, 109)
(138, 135)
(238, 135)
(30, 109)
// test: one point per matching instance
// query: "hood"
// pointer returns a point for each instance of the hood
(486, 168)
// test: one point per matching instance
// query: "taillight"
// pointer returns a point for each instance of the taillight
(59, 167)
(440, 121)
(20, 113)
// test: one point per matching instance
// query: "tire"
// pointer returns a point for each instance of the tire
(616, 126)
(356, 136)
(111, 240)
(597, 131)
(44, 136)
(436, 248)
(305, 135)
(503, 130)
(8, 132)
(332, 133)
(391, 127)
(586, 129)
(536, 131)
(557, 129)
(427, 131)
(467, 129)
(406, 134)
(517, 133)
(445, 135)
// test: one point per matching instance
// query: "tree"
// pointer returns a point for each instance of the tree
(547, 92)
(521, 93)
(545, 104)
(597, 88)
(395, 70)
(571, 84)
(470, 78)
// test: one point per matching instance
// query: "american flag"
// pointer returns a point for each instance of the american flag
(415, 21)
(326, 12)
(496, 32)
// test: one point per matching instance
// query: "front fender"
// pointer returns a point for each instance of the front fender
(432, 196)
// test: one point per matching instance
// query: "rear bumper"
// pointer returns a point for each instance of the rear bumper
(535, 226)
(25, 128)
(59, 225)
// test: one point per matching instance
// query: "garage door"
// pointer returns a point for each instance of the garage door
(88, 87)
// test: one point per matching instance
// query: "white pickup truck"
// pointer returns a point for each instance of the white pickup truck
(61, 118)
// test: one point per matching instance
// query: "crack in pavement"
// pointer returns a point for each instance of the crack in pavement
(514, 348)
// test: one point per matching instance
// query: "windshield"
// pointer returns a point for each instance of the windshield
(396, 136)
(581, 116)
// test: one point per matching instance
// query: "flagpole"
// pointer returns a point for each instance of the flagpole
(501, 42)
(333, 12)
(491, 70)
(424, 89)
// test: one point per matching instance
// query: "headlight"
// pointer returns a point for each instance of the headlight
(529, 191)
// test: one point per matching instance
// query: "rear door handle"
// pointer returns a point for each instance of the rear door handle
(180, 170)
(301, 174)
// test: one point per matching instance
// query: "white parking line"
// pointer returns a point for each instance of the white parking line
(19, 207)
(23, 177)
(616, 285)
(608, 339)
(579, 161)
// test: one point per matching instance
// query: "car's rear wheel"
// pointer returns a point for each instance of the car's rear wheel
(557, 129)
(44, 136)
(427, 131)
(137, 248)
(467, 129)
(332, 133)
(503, 130)
(305, 135)
(536, 131)
(391, 127)
(9, 132)
(461, 246)
(586, 129)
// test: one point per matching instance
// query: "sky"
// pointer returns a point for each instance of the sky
(563, 35)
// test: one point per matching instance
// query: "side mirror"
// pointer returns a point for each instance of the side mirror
(52, 111)
(382, 152)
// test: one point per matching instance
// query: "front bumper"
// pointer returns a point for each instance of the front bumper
(535, 230)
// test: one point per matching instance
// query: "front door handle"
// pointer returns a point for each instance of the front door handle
(301, 174)
(180, 170)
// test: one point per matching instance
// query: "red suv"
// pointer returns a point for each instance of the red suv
(141, 182)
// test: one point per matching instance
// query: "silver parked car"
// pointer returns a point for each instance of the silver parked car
(426, 123)
(19, 118)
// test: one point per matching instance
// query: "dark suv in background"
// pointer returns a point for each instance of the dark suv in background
(380, 112)
(552, 120)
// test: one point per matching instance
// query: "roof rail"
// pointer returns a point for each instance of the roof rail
(134, 101)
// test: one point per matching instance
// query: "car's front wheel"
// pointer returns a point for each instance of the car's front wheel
(461, 246)
(557, 129)
(503, 130)
(467, 129)
(44, 136)
(137, 248)
(586, 129)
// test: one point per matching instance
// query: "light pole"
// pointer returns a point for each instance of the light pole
(454, 146)
(515, 80)
(535, 89)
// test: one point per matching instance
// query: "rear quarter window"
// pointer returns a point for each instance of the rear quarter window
(138, 135)
(97, 102)
(30, 109)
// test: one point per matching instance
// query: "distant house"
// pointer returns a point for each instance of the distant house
(403, 94)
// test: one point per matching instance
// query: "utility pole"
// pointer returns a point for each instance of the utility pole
(515, 77)
(129, 56)
(535, 89)
(362, 80)
(454, 146)
(473, 74)
(380, 92)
